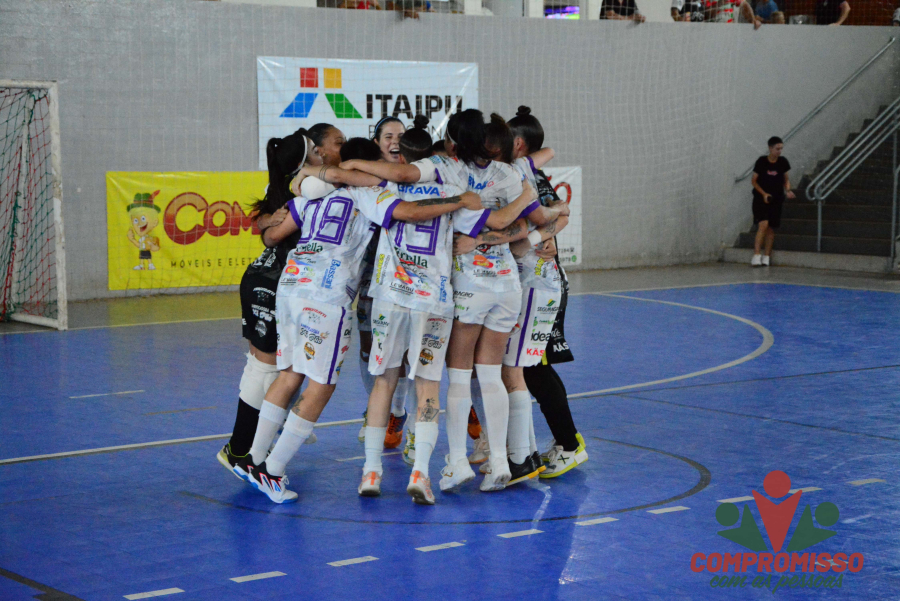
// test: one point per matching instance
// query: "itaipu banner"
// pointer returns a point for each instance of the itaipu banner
(353, 95)
(177, 230)
(567, 183)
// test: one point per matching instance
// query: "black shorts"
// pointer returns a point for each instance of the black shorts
(144, 255)
(558, 350)
(258, 309)
(767, 212)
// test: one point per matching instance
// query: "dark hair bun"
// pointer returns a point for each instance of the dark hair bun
(420, 122)
(497, 119)
(523, 111)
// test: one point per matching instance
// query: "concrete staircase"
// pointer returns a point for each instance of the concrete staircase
(856, 220)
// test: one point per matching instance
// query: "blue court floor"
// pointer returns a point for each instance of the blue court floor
(686, 395)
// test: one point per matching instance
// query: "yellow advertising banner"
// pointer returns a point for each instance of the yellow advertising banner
(178, 230)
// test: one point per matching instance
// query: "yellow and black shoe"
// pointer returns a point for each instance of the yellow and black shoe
(519, 472)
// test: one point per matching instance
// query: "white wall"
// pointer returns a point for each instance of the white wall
(661, 116)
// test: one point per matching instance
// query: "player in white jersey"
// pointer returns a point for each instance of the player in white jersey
(316, 288)
(387, 134)
(413, 308)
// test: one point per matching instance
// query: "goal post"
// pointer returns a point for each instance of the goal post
(32, 237)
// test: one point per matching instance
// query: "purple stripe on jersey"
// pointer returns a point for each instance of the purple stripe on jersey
(389, 213)
(480, 167)
(530, 209)
(524, 325)
(480, 225)
(337, 345)
(383, 183)
(292, 205)
(530, 162)
(437, 176)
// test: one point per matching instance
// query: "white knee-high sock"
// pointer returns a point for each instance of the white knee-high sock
(457, 417)
(532, 442)
(398, 402)
(496, 413)
(367, 378)
(478, 404)
(296, 431)
(426, 439)
(374, 449)
(270, 419)
(517, 439)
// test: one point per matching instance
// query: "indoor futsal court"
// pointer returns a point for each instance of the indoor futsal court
(691, 385)
(463, 300)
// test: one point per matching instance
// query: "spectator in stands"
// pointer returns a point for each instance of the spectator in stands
(735, 11)
(897, 17)
(778, 18)
(688, 11)
(764, 10)
(621, 10)
(832, 12)
(361, 4)
(771, 186)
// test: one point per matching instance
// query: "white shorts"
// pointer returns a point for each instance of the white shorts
(312, 337)
(494, 310)
(529, 339)
(396, 329)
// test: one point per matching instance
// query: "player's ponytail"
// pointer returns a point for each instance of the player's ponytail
(415, 144)
(284, 157)
(526, 126)
(466, 131)
(499, 139)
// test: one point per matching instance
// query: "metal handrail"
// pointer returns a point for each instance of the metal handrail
(825, 102)
(842, 166)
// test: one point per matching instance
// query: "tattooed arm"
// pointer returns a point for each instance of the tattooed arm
(546, 232)
(425, 210)
(464, 244)
(336, 175)
(393, 172)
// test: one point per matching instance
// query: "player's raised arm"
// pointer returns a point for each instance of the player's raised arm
(520, 207)
(425, 210)
(392, 172)
(337, 175)
(274, 235)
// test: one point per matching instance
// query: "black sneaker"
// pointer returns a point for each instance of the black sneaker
(274, 487)
(538, 462)
(243, 466)
(228, 459)
(522, 471)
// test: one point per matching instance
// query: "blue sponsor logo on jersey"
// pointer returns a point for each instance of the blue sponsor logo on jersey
(329, 273)
(412, 189)
(480, 186)
(443, 292)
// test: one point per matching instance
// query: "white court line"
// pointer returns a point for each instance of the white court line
(806, 489)
(768, 341)
(363, 456)
(439, 547)
(91, 396)
(253, 577)
(669, 509)
(597, 521)
(350, 562)
(520, 533)
(864, 482)
(160, 593)
(735, 500)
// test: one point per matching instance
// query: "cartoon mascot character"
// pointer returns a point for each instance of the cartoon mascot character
(144, 218)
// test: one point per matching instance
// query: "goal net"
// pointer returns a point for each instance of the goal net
(32, 259)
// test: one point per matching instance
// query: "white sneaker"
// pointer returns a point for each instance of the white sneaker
(274, 487)
(765, 260)
(562, 461)
(454, 475)
(370, 486)
(485, 468)
(409, 450)
(545, 456)
(419, 488)
(482, 450)
(496, 479)
(756, 261)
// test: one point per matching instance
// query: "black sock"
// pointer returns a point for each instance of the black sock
(244, 429)
(548, 388)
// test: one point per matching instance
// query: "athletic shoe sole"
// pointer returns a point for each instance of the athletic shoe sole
(241, 474)
(419, 494)
(533, 474)
(580, 459)
(496, 484)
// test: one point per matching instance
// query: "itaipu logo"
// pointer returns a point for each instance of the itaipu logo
(794, 569)
(331, 85)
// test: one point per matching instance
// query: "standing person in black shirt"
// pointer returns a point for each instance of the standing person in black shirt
(621, 10)
(832, 12)
(770, 187)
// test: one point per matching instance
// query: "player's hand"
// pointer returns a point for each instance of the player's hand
(563, 207)
(529, 190)
(463, 244)
(278, 216)
(348, 165)
(471, 201)
(766, 198)
(546, 249)
(790, 194)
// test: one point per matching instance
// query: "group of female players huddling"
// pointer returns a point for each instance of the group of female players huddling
(449, 251)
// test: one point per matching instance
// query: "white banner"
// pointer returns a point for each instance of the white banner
(567, 183)
(354, 95)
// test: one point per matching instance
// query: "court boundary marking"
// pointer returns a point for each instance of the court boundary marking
(610, 292)
(702, 483)
(48, 591)
(768, 341)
